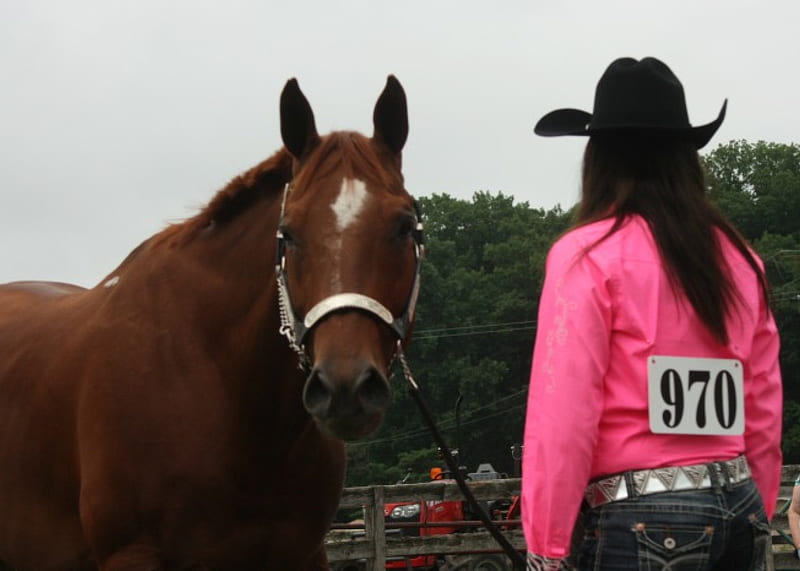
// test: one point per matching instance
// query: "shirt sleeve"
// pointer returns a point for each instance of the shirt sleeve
(763, 411)
(565, 396)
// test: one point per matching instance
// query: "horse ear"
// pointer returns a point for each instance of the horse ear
(391, 116)
(298, 130)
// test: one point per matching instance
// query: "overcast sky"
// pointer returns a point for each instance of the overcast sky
(117, 118)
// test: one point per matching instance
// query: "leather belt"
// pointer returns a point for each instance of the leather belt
(634, 483)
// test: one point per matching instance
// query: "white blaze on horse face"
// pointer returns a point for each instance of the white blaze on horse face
(349, 203)
(347, 207)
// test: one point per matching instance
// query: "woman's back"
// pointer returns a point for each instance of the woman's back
(649, 317)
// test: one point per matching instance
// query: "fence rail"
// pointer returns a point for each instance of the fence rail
(373, 544)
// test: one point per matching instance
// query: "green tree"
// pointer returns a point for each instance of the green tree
(757, 185)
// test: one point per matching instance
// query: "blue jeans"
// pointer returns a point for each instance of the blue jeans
(723, 529)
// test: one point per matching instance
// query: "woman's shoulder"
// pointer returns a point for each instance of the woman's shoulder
(578, 243)
(586, 234)
(605, 244)
(601, 234)
(732, 253)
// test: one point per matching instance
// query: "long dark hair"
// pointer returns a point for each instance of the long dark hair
(661, 179)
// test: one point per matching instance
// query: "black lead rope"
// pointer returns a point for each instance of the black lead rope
(516, 558)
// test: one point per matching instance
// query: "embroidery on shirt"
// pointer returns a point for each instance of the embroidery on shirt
(557, 334)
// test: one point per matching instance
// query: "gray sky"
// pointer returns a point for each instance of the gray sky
(119, 117)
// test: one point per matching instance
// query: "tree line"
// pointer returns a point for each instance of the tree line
(476, 318)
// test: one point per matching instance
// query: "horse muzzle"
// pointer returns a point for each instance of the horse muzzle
(348, 404)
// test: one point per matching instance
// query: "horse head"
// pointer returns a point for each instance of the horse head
(349, 245)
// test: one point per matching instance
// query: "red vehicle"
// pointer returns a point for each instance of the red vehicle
(425, 512)
(442, 512)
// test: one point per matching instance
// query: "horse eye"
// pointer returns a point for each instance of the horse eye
(405, 227)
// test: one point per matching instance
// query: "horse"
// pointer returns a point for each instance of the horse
(190, 411)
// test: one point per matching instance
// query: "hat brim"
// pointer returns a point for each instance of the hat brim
(563, 122)
(702, 134)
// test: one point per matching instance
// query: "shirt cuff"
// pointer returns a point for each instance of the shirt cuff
(538, 562)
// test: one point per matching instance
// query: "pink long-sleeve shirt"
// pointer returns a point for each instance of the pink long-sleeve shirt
(601, 315)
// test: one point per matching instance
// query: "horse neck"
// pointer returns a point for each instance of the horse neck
(218, 287)
(239, 263)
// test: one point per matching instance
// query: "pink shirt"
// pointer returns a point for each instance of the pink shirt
(601, 315)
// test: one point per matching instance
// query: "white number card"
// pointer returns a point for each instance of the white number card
(690, 395)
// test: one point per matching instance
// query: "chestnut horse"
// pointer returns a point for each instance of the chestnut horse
(160, 420)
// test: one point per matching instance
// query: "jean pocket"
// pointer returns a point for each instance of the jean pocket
(673, 547)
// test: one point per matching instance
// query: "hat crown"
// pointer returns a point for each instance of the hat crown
(643, 94)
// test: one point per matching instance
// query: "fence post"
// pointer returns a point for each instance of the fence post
(378, 529)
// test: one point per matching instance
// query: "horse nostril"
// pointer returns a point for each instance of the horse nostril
(367, 393)
(317, 394)
(373, 391)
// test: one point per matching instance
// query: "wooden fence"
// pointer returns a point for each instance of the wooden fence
(371, 545)
(375, 545)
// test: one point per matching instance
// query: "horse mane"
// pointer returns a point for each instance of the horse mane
(352, 152)
(265, 179)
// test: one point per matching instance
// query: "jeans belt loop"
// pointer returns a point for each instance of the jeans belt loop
(726, 476)
(630, 485)
(714, 476)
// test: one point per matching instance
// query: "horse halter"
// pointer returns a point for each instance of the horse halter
(296, 330)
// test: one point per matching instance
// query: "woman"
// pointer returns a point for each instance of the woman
(655, 393)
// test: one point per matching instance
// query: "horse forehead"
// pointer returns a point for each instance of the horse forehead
(349, 202)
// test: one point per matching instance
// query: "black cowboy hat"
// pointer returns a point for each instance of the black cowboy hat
(636, 96)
